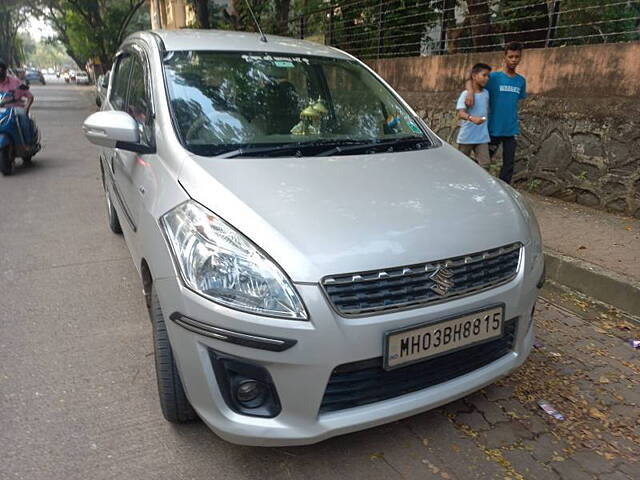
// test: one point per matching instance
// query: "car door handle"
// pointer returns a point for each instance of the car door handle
(141, 190)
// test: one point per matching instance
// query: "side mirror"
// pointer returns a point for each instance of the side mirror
(114, 129)
(104, 83)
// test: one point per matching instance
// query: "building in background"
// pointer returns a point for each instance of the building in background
(174, 14)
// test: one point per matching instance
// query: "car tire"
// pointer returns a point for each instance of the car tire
(173, 401)
(112, 215)
(7, 161)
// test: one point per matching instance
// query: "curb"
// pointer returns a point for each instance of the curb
(594, 281)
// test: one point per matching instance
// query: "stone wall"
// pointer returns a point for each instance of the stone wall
(577, 142)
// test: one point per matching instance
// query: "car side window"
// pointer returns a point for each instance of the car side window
(138, 103)
(120, 83)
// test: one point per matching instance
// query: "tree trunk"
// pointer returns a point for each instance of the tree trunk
(202, 14)
(282, 16)
(480, 24)
(127, 20)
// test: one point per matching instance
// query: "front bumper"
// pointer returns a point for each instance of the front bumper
(300, 372)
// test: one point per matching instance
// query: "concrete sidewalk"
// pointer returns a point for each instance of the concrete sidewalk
(591, 251)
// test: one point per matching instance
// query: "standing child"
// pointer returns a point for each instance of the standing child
(474, 133)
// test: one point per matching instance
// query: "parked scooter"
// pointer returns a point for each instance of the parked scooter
(16, 140)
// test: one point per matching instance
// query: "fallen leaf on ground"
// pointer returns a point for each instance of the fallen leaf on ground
(595, 413)
(376, 456)
(604, 379)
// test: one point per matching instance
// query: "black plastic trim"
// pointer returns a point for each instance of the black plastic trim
(135, 147)
(543, 277)
(272, 344)
(230, 372)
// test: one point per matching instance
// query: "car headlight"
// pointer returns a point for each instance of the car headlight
(221, 264)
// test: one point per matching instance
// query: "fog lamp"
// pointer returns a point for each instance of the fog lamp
(250, 393)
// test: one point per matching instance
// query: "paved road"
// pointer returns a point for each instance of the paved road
(77, 386)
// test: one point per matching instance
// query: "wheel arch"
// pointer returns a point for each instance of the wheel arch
(147, 281)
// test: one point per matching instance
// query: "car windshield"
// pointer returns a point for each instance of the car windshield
(261, 104)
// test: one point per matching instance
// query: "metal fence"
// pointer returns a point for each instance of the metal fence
(394, 28)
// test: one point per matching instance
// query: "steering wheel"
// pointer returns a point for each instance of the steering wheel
(196, 125)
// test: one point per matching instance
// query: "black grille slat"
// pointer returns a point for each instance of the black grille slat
(410, 287)
(365, 382)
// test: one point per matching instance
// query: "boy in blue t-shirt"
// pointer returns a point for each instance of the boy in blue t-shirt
(474, 134)
(506, 88)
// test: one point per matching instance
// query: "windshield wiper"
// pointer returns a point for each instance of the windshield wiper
(373, 146)
(296, 147)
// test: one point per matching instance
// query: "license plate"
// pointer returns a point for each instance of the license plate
(414, 344)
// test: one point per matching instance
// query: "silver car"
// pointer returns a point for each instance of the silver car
(314, 259)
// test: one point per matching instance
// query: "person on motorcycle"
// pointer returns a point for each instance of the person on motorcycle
(22, 98)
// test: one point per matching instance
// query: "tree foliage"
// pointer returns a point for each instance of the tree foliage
(91, 29)
(367, 28)
(11, 45)
(372, 28)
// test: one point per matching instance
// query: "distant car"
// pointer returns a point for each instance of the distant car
(33, 75)
(50, 71)
(102, 84)
(82, 79)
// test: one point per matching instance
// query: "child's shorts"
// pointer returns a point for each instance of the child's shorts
(480, 152)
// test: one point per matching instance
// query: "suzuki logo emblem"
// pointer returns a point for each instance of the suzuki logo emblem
(442, 281)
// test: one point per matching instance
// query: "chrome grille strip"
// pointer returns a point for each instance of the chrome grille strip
(382, 291)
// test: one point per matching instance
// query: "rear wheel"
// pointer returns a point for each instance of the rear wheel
(7, 161)
(173, 401)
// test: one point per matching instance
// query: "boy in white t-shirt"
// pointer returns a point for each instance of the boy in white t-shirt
(474, 132)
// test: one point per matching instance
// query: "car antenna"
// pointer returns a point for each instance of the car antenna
(262, 37)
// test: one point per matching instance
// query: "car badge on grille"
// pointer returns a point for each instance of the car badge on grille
(442, 281)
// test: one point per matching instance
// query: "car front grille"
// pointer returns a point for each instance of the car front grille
(364, 382)
(414, 286)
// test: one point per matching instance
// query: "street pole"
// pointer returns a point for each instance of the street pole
(331, 34)
(554, 16)
(304, 11)
(380, 25)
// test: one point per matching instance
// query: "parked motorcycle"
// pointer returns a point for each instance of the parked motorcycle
(16, 140)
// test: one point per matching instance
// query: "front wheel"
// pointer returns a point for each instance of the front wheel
(173, 401)
(7, 161)
(112, 215)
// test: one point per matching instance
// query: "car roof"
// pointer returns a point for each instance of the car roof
(231, 41)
